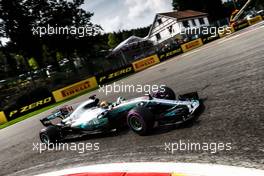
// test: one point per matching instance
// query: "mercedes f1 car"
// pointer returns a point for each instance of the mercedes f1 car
(139, 114)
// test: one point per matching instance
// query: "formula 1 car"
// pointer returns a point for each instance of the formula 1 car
(139, 114)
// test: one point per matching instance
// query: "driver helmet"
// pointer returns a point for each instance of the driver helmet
(104, 104)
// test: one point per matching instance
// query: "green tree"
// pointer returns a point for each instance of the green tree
(113, 40)
(18, 18)
(125, 35)
(213, 7)
(32, 63)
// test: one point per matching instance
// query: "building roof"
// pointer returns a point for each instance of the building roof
(180, 15)
(129, 41)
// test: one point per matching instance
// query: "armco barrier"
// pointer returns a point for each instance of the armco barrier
(75, 89)
(2, 118)
(114, 74)
(255, 20)
(145, 63)
(192, 45)
(166, 55)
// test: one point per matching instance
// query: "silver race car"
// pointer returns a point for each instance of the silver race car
(139, 114)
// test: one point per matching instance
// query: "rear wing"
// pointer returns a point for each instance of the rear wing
(61, 113)
(66, 111)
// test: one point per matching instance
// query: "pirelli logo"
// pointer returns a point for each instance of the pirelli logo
(75, 89)
(145, 63)
(192, 45)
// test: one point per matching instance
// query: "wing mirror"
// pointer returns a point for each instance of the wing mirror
(149, 95)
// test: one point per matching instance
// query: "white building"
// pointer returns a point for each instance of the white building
(167, 25)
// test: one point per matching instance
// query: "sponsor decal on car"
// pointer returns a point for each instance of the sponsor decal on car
(145, 63)
(114, 74)
(192, 45)
(75, 89)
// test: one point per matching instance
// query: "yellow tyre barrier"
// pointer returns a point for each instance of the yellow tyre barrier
(255, 20)
(145, 63)
(75, 89)
(192, 45)
(2, 118)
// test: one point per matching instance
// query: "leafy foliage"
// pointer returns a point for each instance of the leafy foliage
(18, 18)
(214, 8)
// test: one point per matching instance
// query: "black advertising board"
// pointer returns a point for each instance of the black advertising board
(32, 101)
(114, 74)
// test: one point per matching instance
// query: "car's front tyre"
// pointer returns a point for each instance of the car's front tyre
(140, 120)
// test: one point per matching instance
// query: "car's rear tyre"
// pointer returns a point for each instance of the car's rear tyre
(164, 93)
(49, 135)
(140, 120)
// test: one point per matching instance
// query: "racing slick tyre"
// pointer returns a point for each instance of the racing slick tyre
(140, 120)
(167, 93)
(49, 135)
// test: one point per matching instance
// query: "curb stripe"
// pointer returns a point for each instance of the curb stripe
(98, 174)
(147, 174)
(124, 174)
(156, 168)
(175, 174)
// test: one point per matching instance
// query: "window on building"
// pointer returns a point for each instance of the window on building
(158, 37)
(193, 22)
(170, 29)
(185, 24)
(201, 20)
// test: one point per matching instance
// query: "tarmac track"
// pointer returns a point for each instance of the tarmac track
(227, 73)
